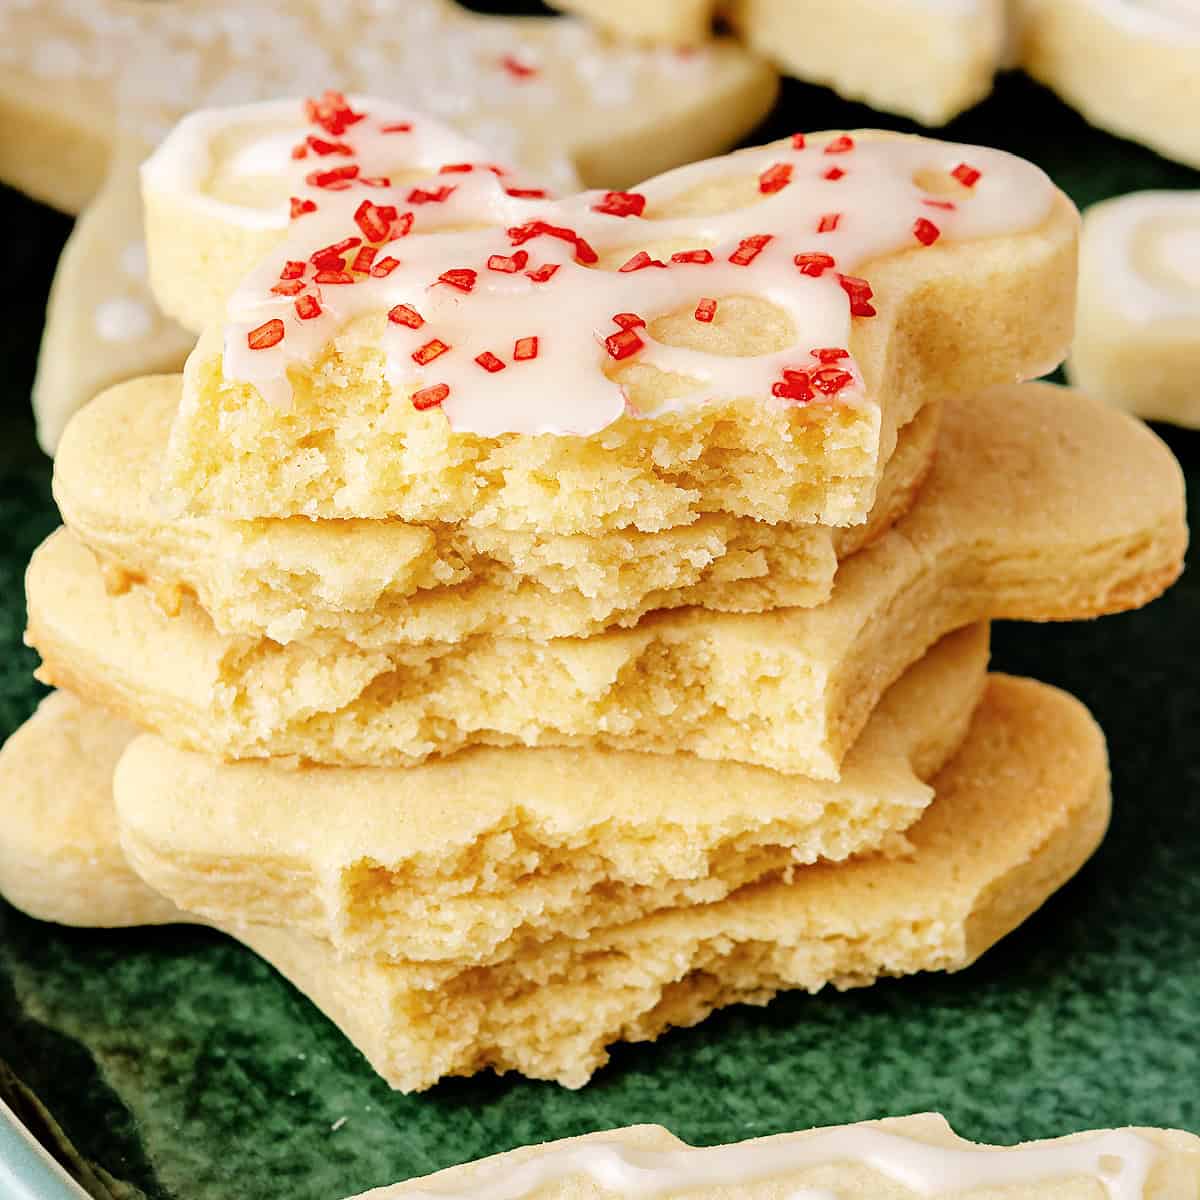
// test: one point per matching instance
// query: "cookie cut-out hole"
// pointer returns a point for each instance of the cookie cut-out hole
(940, 183)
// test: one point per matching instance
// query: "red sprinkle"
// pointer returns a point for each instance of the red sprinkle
(542, 273)
(520, 234)
(966, 175)
(925, 231)
(336, 179)
(403, 315)
(641, 260)
(508, 264)
(456, 168)
(397, 127)
(860, 293)
(462, 278)
(490, 363)
(706, 310)
(384, 267)
(269, 334)
(308, 307)
(947, 205)
(814, 264)
(375, 180)
(775, 178)
(333, 256)
(300, 207)
(333, 277)
(292, 269)
(692, 256)
(526, 193)
(834, 174)
(288, 287)
(322, 147)
(622, 345)
(375, 220)
(364, 259)
(749, 249)
(300, 150)
(621, 204)
(831, 380)
(629, 321)
(437, 196)
(830, 355)
(829, 222)
(332, 112)
(798, 141)
(795, 385)
(430, 397)
(840, 145)
(516, 68)
(432, 349)
(525, 348)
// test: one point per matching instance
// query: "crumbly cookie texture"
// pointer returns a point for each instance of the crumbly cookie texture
(901, 1158)
(926, 61)
(615, 360)
(383, 583)
(93, 87)
(476, 858)
(1137, 343)
(1130, 67)
(1010, 524)
(1017, 812)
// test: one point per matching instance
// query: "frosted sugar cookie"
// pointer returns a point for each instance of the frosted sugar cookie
(901, 1158)
(1130, 66)
(478, 858)
(701, 344)
(381, 583)
(1017, 812)
(1138, 339)
(88, 89)
(926, 60)
(1009, 524)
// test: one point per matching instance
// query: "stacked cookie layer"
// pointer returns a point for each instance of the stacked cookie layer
(476, 585)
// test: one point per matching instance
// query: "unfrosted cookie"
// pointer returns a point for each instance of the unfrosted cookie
(380, 583)
(901, 1158)
(1130, 66)
(926, 59)
(1009, 524)
(1137, 344)
(611, 360)
(88, 89)
(480, 858)
(1017, 812)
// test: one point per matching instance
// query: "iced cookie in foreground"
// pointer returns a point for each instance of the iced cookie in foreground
(1130, 66)
(618, 359)
(901, 1158)
(1137, 342)
(383, 583)
(926, 61)
(479, 858)
(1011, 523)
(1017, 812)
(88, 89)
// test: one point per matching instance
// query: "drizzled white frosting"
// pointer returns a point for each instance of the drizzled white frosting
(1119, 1160)
(871, 187)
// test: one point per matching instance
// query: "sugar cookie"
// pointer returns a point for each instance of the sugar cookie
(87, 90)
(1010, 524)
(380, 583)
(1017, 812)
(613, 359)
(1138, 339)
(901, 1158)
(926, 59)
(1130, 66)
(478, 858)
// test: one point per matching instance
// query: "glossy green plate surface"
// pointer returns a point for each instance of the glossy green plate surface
(177, 1062)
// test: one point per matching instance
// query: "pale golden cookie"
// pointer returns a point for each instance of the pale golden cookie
(1017, 812)
(901, 1158)
(478, 857)
(87, 89)
(703, 344)
(1012, 523)
(379, 583)
(927, 61)
(1137, 344)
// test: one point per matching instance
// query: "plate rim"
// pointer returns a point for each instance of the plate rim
(27, 1170)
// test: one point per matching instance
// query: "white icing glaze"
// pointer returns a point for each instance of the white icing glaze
(1144, 251)
(564, 388)
(122, 319)
(1119, 1160)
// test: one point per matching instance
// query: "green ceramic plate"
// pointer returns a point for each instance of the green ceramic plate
(175, 1061)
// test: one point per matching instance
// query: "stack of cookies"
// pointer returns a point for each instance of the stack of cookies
(551, 620)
